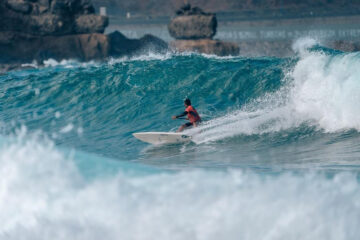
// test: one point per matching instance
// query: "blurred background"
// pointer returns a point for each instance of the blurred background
(270, 25)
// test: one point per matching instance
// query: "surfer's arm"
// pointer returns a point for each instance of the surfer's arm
(180, 115)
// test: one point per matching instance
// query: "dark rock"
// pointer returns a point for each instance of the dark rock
(58, 7)
(152, 43)
(186, 7)
(88, 8)
(84, 47)
(26, 48)
(43, 3)
(91, 23)
(71, 7)
(193, 26)
(188, 10)
(23, 48)
(19, 6)
(197, 10)
(61, 17)
(346, 46)
(195, 29)
(192, 23)
(61, 29)
(207, 46)
(47, 24)
(120, 45)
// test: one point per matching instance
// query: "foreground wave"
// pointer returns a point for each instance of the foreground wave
(44, 196)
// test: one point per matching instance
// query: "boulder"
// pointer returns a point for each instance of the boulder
(192, 23)
(120, 45)
(23, 48)
(45, 17)
(193, 26)
(26, 48)
(91, 23)
(207, 46)
(186, 9)
(71, 7)
(44, 24)
(19, 6)
(85, 47)
(346, 46)
(194, 30)
(47, 24)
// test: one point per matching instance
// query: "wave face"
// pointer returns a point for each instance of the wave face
(276, 157)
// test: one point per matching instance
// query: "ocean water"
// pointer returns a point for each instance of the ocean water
(277, 155)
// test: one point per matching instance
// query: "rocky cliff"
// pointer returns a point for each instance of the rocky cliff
(41, 29)
(61, 29)
(50, 17)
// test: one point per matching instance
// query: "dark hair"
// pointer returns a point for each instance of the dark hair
(187, 101)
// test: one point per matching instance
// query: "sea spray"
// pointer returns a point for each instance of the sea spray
(321, 91)
(44, 196)
(326, 89)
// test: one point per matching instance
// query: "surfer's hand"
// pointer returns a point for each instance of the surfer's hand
(173, 117)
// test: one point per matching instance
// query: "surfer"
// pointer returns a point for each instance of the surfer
(192, 116)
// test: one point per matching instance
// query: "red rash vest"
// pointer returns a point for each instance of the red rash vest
(192, 115)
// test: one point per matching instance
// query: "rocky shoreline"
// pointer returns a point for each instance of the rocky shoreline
(36, 30)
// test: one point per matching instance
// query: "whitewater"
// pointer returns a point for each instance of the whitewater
(277, 155)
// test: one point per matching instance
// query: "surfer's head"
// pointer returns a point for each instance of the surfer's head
(187, 102)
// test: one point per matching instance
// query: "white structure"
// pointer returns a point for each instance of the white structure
(102, 11)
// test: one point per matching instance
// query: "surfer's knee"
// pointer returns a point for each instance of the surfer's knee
(181, 128)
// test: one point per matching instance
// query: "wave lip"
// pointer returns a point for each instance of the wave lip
(326, 89)
(320, 90)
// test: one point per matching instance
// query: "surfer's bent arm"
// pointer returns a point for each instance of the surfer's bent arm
(182, 114)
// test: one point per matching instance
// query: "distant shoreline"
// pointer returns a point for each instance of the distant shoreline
(256, 37)
(243, 16)
(338, 27)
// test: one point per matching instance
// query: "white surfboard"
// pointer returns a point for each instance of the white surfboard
(158, 138)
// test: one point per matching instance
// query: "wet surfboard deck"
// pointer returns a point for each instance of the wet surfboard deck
(158, 138)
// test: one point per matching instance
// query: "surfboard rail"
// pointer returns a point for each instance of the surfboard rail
(158, 138)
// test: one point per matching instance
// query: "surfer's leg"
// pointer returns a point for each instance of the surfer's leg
(195, 124)
(181, 128)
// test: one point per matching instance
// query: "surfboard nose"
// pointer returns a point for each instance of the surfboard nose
(137, 135)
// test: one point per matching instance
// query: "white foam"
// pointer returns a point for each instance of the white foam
(68, 63)
(33, 64)
(327, 89)
(302, 45)
(68, 128)
(321, 90)
(43, 196)
(149, 56)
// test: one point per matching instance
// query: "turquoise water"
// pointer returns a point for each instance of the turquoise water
(277, 155)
